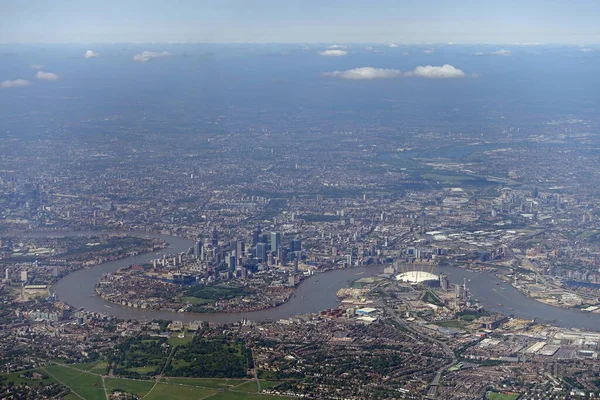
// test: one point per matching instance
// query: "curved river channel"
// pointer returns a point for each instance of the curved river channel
(314, 294)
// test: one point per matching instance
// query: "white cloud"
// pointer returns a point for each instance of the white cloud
(46, 76)
(36, 66)
(14, 83)
(587, 50)
(333, 53)
(392, 45)
(91, 54)
(445, 71)
(366, 73)
(502, 52)
(478, 53)
(429, 51)
(338, 46)
(149, 55)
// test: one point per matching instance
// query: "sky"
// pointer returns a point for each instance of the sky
(300, 21)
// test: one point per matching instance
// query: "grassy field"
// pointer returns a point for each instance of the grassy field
(207, 382)
(194, 300)
(244, 396)
(90, 386)
(15, 378)
(128, 385)
(175, 392)
(503, 396)
(85, 385)
(177, 341)
(97, 367)
(451, 324)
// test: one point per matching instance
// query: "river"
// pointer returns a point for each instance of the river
(314, 294)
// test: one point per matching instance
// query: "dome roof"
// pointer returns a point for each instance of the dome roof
(417, 276)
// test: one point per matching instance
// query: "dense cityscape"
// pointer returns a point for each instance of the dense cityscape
(277, 221)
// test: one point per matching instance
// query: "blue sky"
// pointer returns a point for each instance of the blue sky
(300, 21)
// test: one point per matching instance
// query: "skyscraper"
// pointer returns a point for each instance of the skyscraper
(198, 249)
(261, 252)
(275, 241)
(295, 245)
(240, 248)
(215, 238)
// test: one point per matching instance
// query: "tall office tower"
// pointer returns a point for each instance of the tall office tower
(444, 282)
(295, 266)
(275, 241)
(230, 261)
(240, 248)
(282, 256)
(7, 273)
(198, 249)
(458, 290)
(24, 277)
(261, 252)
(295, 245)
(215, 238)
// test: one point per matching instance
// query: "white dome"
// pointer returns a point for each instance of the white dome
(417, 277)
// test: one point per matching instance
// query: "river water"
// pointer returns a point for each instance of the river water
(314, 294)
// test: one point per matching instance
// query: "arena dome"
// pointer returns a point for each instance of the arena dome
(417, 277)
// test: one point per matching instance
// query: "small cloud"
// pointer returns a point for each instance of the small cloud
(429, 51)
(406, 53)
(14, 83)
(36, 66)
(46, 76)
(333, 53)
(370, 48)
(478, 53)
(338, 46)
(502, 52)
(365, 73)
(149, 55)
(445, 71)
(91, 54)
(392, 45)
(587, 50)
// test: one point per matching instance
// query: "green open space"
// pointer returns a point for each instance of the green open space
(206, 382)
(85, 385)
(252, 387)
(176, 392)
(244, 396)
(139, 388)
(175, 340)
(26, 377)
(140, 357)
(209, 294)
(194, 300)
(454, 323)
(96, 367)
(219, 357)
(503, 396)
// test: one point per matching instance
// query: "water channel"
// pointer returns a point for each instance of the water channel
(314, 294)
